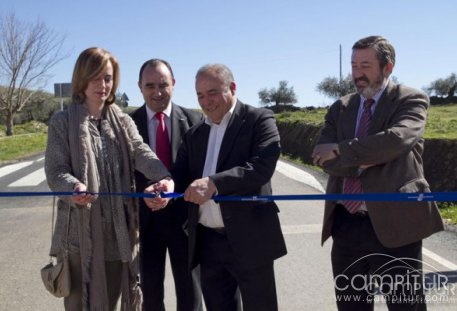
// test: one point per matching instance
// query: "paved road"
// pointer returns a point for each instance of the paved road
(304, 278)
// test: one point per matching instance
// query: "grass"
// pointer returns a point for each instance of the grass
(441, 123)
(26, 128)
(313, 117)
(448, 211)
(20, 146)
(28, 139)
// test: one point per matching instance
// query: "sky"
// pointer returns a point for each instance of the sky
(261, 41)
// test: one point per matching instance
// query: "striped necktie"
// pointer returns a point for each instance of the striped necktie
(353, 185)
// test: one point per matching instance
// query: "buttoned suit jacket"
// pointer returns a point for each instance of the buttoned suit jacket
(247, 160)
(182, 120)
(395, 145)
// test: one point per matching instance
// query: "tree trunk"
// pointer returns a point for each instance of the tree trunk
(451, 92)
(9, 124)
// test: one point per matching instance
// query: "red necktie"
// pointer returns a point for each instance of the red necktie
(162, 140)
(353, 185)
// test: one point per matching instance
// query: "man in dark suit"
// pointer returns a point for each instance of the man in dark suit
(372, 142)
(162, 230)
(233, 152)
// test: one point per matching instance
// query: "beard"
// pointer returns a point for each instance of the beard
(372, 88)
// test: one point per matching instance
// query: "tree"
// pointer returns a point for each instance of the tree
(27, 52)
(443, 87)
(333, 88)
(282, 95)
(40, 107)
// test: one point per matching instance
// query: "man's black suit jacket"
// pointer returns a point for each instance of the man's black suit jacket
(246, 163)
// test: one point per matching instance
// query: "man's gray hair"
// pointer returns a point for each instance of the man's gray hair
(219, 70)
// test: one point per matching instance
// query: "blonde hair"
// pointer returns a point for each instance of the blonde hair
(89, 65)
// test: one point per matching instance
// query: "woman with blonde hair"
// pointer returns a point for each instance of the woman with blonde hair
(93, 147)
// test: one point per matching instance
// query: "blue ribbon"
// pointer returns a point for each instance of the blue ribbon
(386, 197)
(50, 193)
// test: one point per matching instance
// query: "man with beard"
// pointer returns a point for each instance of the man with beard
(372, 143)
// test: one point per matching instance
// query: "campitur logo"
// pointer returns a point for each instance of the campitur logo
(396, 281)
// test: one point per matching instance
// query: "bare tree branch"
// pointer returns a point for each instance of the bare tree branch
(27, 53)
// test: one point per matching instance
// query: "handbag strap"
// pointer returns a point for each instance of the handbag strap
(52, 225)
(52, 219)
(68, 230)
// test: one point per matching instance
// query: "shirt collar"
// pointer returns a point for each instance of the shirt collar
(151, 113)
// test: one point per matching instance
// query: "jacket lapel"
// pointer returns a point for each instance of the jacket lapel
(348, 117)
(142, 124)
(383, 109)
(178, 128)
(200, 147)
(231, 133)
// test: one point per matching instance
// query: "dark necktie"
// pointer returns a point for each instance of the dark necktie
(353, 185)
(162, 140)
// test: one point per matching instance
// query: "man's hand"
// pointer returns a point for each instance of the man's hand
(324, 152)
(200, 191)
(157, 203)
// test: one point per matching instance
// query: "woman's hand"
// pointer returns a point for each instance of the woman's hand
(80, 197)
